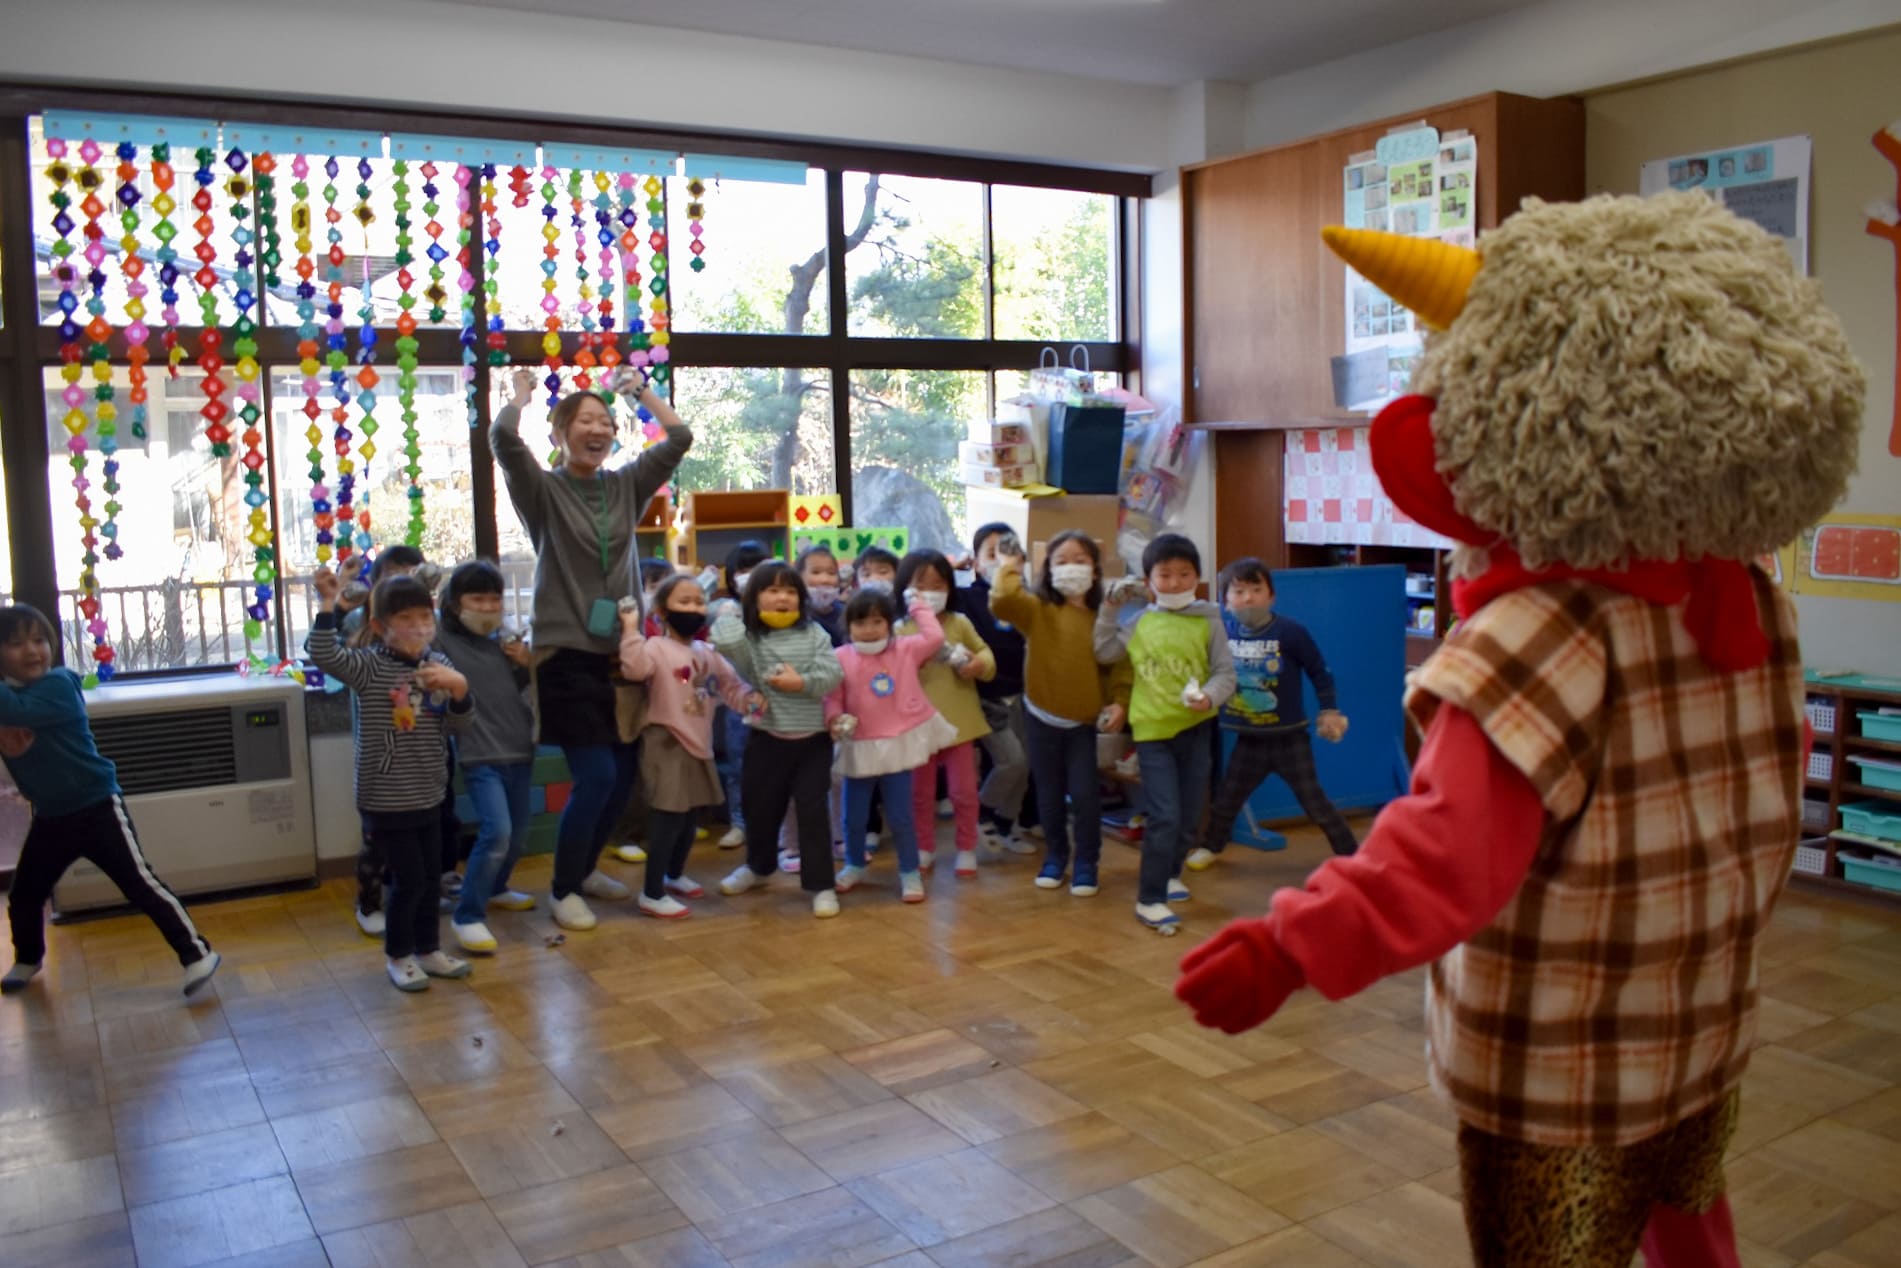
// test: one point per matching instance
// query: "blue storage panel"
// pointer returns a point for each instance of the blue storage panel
(1358, 617)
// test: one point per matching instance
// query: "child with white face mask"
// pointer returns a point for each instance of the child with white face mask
(497, 749)
(950, 681)
(1067, 697)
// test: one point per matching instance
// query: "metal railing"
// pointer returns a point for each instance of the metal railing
(174, 625)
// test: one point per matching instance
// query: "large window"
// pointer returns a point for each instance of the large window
(841, 335)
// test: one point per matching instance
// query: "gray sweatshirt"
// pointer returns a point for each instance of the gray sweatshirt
(568, 519)
(503, 728)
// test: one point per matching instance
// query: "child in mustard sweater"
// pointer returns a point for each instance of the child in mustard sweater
(1067, 697)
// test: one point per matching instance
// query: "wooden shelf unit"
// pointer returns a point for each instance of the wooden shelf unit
(713, 521)
(1845, 740)
(1265, 300)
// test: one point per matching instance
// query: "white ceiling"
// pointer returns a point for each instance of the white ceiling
(1163, 42)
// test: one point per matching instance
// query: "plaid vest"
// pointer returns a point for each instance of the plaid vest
(1615, 994)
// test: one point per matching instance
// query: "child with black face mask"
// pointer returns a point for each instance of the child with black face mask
(686, 680)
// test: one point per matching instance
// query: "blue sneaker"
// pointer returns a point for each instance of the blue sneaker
(1051, 877)
(1083, 883)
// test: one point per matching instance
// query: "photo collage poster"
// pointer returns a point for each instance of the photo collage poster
(1766, 183)
(1422, 185)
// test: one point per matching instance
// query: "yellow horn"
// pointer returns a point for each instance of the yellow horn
(1428, 276)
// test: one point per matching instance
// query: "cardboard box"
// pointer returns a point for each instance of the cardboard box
(996, 455)
(986, 431)
(1036, 520)
(982, 477)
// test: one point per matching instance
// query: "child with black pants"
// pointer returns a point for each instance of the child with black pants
(78, 812)
(409, 700)
(1178, 650)
(788, 659)
(1268, 712)
(685, 681)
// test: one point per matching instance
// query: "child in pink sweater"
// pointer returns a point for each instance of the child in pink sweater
(685, 680)
(886, 727)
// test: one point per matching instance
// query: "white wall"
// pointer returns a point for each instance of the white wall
(419, 53)
(1552, 49)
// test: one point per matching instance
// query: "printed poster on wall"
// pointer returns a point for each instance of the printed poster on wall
(1420, 184)
(1766, 183)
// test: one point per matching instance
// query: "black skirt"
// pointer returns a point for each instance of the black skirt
(574, 698)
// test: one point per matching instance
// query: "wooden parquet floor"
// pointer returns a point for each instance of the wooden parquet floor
(997, 1077)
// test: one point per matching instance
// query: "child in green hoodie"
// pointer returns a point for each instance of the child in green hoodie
(1178, 649)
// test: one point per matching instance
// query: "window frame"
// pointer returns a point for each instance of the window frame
(27, 346)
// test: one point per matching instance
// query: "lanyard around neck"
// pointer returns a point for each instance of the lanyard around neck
(603, 529)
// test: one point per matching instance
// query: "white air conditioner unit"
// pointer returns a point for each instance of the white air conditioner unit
(216, 774)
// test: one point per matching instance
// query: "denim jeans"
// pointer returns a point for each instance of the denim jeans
(895, 792)
(729, 759)
(1063, 764)
(1175, 775)
(603, 777)
(500, 794)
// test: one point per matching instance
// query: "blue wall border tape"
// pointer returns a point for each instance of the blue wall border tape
(258, 138)
(594, 158)
(110, 129)
(470, 151)
(731, 168)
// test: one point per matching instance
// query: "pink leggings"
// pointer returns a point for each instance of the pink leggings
(959, 763)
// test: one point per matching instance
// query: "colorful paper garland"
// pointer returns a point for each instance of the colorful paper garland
(465, 260)
(322, 512)
(366, 376)
(337, 360)
(137, 333)
(164, 180)
(248, 372)
(406, 348)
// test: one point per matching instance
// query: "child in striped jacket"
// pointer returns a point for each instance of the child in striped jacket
(410, 699)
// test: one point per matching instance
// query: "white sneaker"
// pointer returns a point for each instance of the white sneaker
(926, 860)
(1177, 892)
(1201, 859)
(1034, 832)
(407, 974)
(601, 885)
(666, 907)
(630, 853)
(734, 838)
(1158, 916)
(452, 882)
(990, 841)
(742, 879)
(685, 887)
(945, 810)
(848, 878)
(1084, 888)
(512, 900)
(1021, 842)
(442, 964)
(473, 937)
(966, 863)
(790, 862)
(911, 886)
(825, 904)
(572, 913)
(17, 977)
(199, 971)
(371, 923)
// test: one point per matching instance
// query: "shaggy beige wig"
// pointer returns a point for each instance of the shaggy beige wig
(1642, 378)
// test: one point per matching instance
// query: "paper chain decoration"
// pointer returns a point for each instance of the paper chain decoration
(406, 347)
(248, 372)
(322, 511)
(337, 359)
(76, 421)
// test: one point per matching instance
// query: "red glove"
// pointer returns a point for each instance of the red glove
(1239, 978)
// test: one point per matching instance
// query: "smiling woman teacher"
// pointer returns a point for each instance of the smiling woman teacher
(581, 520)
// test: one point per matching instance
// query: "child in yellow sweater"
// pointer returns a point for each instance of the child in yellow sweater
(1067, 697)
(950, 683)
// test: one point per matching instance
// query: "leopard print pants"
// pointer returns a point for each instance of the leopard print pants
(1539, 1206)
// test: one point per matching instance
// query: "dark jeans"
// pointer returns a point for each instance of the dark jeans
(411, 842)
(1289, 754)
(501, 797)
(1063, 763)
(670, 836)
(451, 826)
(729, 759)
(603, 776)
(101, 834)
(779, 772)
(371, 871)
(1175, 775)
(895, 790)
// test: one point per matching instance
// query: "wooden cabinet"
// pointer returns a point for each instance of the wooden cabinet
(1834, 780)
(1266, 299)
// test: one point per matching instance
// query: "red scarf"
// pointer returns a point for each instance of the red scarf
(1719, 595)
